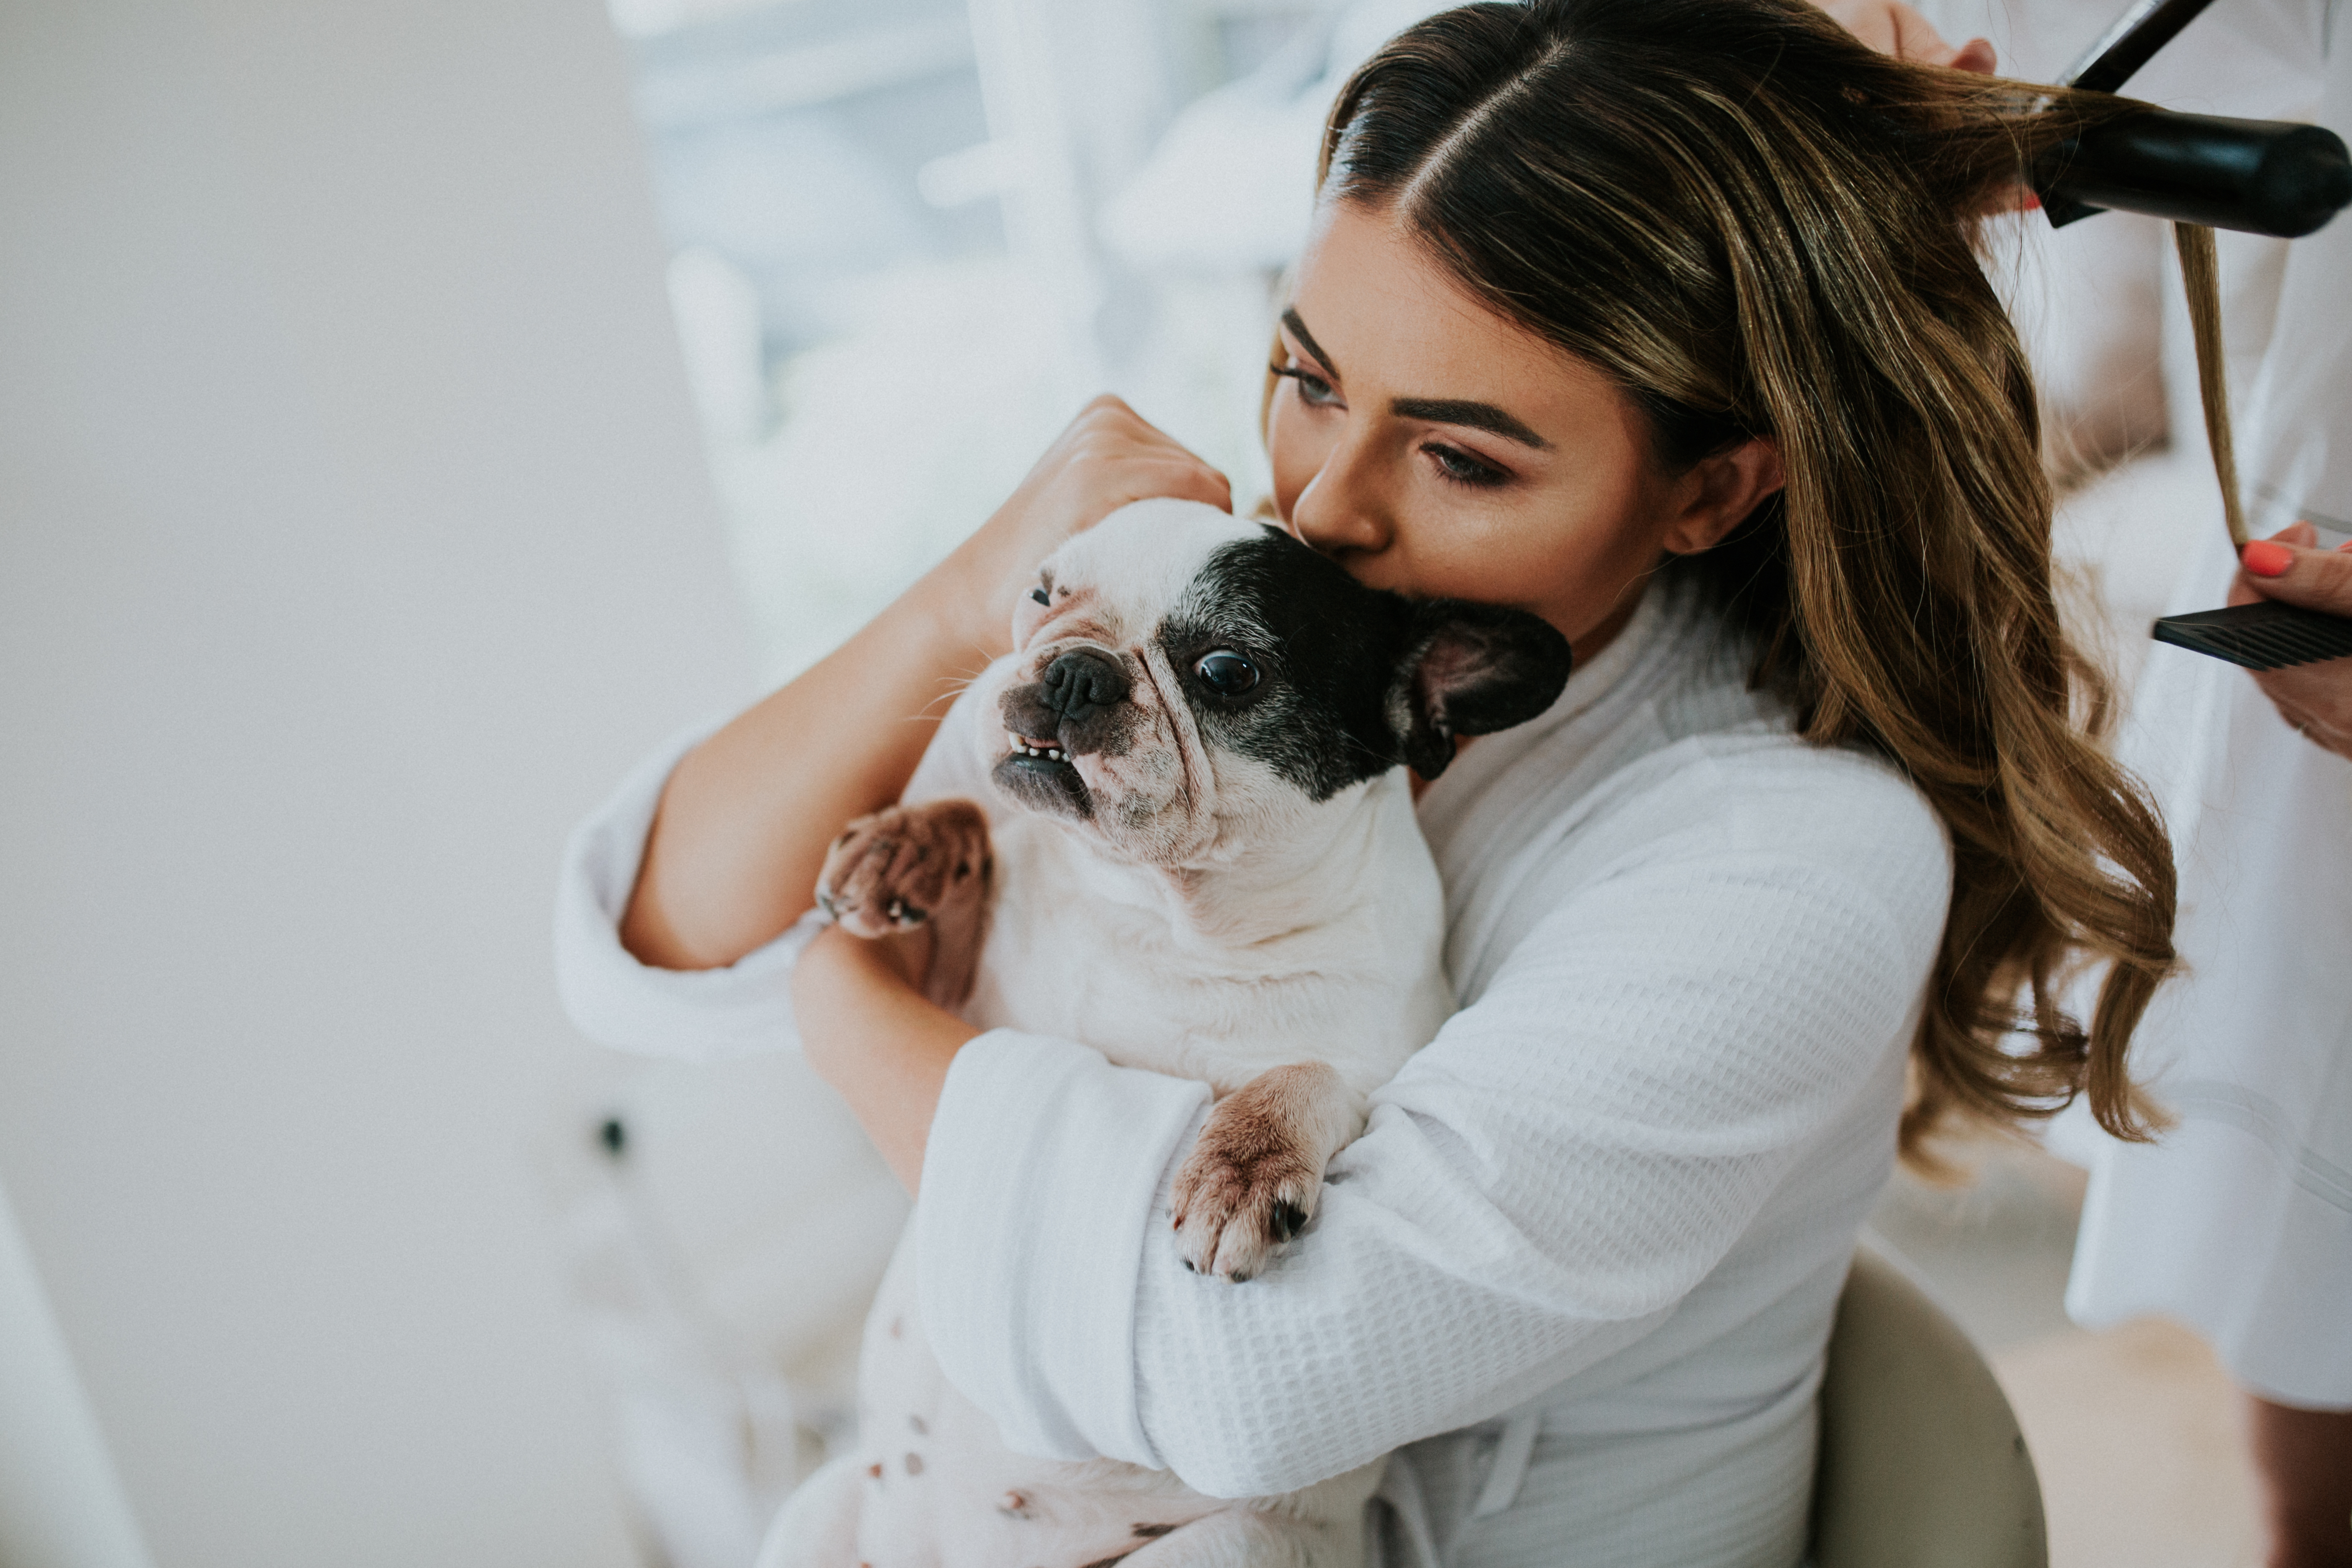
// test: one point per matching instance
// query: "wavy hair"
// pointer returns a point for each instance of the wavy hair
(1758, 226)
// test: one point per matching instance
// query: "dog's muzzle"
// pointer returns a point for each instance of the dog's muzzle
(1079, 686)
(1074, 706)
(1078, 705)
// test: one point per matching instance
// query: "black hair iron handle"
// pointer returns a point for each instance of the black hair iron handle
(2131, 41)
(2262, 176)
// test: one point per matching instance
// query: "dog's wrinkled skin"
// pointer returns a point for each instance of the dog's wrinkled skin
(1202, 860)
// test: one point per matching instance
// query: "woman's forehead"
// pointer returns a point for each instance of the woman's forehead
(1387, 319)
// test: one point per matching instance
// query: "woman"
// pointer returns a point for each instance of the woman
(2238, 1223)
(1657, 318)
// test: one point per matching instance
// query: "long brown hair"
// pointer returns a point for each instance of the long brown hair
(1758, 226)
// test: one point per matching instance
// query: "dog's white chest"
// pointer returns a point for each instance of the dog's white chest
(1359, 990)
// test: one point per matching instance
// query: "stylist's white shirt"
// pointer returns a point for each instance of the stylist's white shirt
(1581, 1266)
(2238, 1220)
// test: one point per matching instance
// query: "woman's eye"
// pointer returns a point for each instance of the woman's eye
(1463, 468)
(1312, 390)
(1039, 595)
(1225, 672)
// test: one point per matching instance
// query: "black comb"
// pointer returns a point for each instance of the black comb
(2268, 636)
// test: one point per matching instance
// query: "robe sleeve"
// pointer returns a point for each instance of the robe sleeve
(697, 1015)
(1537, 1188)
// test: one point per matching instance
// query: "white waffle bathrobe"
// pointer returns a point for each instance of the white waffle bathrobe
(1581, 1266)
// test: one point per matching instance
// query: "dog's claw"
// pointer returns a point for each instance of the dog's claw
(1236, 1212)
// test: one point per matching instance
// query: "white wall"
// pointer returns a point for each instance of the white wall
(61, 1503)
(354, 537)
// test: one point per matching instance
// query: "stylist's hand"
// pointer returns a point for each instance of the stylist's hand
(1894, 29)
(1108, 457)
(2316, 699)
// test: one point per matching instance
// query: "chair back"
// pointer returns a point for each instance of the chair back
(1921, 1462)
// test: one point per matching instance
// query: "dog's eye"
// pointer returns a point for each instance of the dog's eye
(1039, 595)
(1225, 672)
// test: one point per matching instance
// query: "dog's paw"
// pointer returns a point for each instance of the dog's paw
(895, 869)
(1253, 1179)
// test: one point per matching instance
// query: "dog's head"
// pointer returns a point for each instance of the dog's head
(1183, 683)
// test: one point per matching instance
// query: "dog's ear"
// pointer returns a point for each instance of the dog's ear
(1471, 669)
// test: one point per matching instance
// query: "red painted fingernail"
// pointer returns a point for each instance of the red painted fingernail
(2032, 202)
(2264, 559)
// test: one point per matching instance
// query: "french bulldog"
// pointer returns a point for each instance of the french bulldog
(1199, 855)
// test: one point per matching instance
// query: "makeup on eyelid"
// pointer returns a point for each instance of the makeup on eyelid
(1454, 463)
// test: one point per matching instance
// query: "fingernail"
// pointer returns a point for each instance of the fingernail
(2032, 202)
(2264, 559)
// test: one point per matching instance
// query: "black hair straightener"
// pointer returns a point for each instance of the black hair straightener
(2204, 173)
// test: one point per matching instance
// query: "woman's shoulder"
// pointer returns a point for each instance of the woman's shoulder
(1749, 869)
(1766, 794)
(1749, 804)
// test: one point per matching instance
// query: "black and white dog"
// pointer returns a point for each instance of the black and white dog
(1201, 858)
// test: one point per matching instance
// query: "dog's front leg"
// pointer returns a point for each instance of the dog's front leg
(912, 867)
(1254, 1176)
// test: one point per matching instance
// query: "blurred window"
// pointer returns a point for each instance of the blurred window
(898, 266)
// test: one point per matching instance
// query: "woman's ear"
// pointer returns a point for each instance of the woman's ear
(1719, 491)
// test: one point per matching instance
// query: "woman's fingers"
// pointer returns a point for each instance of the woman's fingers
(1108, 457)
(1894, 29)
(2291, 568)
(1976, 55)
(2315, 698)
(1118, 457)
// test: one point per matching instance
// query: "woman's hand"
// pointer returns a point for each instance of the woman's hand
(1108, 457)
(1894, 29)
(745, 820)
(2315, 699)
(868, 1030)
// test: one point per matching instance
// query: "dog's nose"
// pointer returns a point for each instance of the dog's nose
(1082, 683)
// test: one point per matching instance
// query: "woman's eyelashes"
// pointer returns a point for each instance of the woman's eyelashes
(1458, 466)
(1455, 465)
(1312, 390)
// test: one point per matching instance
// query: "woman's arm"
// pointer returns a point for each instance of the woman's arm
(744, 821)
(868, 1031)
(1697, 1052)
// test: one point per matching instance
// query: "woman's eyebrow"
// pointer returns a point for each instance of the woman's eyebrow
(1436, 410)
(1477, 415)
(1306, 339)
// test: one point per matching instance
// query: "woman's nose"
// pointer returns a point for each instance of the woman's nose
(1340, 511)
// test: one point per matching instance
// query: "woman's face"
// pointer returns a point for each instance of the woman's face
(1435, 449)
